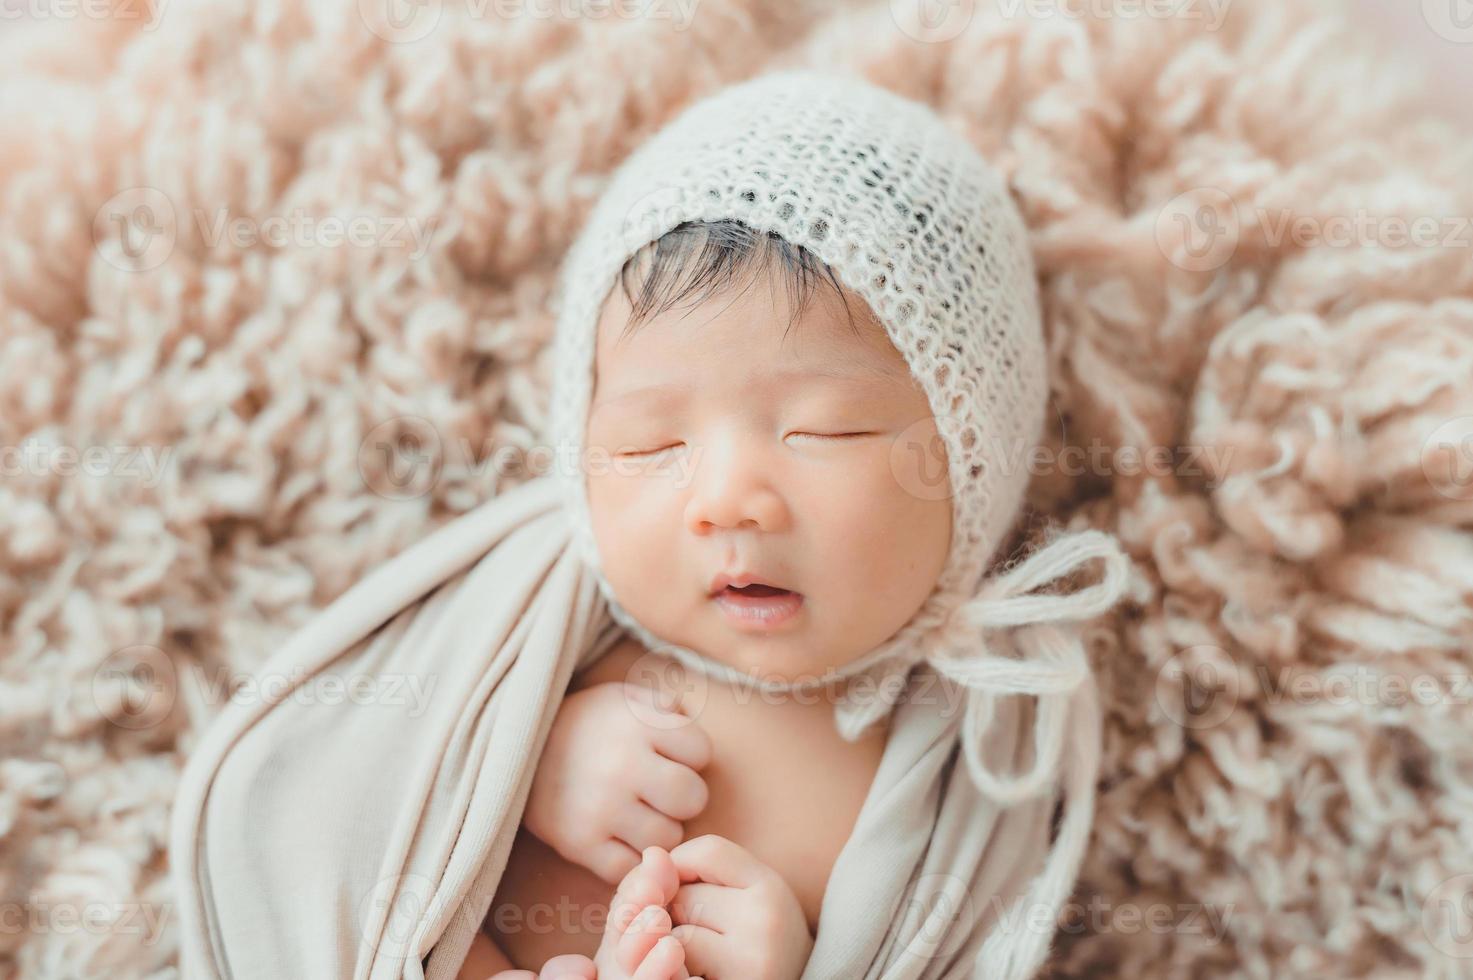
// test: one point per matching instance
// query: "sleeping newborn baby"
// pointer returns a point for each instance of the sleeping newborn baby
(750, 687)
(756, 518)
(800, 357)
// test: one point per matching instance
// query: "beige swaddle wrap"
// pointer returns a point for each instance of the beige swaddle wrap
(338, 838)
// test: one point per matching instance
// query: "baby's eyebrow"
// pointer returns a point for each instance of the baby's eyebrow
(673, 387)
(868, 377)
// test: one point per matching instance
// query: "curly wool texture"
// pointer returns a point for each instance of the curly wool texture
(1302, 534)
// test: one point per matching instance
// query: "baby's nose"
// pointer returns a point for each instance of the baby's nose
(734, 496)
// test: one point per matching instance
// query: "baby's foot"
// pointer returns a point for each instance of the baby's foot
(637, 943)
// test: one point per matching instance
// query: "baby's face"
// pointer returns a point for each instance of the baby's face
(724, 448)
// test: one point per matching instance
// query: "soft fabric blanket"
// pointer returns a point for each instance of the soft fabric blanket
(349, 840)
(236, 394)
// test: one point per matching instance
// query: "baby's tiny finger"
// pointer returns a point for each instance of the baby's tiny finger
(650, 699)
(640, 825)
(650, 926)
(569, 966)
(639, 888)
(613, 860)
(663, 962)
(673, 788)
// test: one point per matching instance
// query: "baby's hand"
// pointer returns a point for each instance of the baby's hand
(620, 773)
(637, 942)
(736, 917)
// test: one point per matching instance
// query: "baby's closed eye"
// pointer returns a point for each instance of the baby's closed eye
(835, 435)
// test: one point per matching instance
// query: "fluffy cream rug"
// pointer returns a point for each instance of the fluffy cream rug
(274, 280)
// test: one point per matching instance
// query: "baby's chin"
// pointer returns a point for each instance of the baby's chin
(795, 658)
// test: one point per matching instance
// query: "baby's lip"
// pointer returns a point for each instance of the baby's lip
(739, 579)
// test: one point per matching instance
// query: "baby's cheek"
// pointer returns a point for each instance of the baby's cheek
(893, 538)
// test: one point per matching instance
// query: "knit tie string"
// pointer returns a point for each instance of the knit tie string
(1052, 664)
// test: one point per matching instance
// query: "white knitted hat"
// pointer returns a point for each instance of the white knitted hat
(910, 217)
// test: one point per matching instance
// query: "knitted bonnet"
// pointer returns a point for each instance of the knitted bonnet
(910, 217)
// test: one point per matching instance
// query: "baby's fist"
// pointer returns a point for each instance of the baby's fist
(737, 917)
(620, 773)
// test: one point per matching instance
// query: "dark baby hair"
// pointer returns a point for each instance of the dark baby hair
(696, 260)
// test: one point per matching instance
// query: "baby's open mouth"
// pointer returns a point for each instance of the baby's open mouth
(757, 590)
(757, 605)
